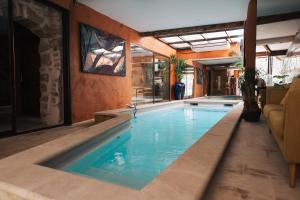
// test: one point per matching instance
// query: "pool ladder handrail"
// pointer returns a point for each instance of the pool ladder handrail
(133, 105)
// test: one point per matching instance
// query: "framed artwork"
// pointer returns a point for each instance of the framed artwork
(101, 52)
(199, 74)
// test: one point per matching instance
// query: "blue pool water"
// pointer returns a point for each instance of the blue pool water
(138, 154)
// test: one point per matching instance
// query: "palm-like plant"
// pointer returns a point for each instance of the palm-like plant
(179, 65)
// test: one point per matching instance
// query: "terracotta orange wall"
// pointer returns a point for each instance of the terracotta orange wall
(190, 55)
(93, 92)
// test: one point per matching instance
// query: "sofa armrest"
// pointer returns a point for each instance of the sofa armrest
(291, 137)
(274, 94)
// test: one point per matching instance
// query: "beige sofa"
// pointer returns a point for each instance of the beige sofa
(282, 112)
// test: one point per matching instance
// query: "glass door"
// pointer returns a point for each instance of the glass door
(6, 103)
(142, 75)
(161, 78)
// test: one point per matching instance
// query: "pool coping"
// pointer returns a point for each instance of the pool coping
(186, 178)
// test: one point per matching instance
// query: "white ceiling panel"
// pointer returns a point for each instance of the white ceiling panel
(192, 37)
(214, 34)
(171, 39)
(278, 29)
(181, 45)
(260, 49)
(152, 15)
(235, 32)
(273, 7)
(280, 46)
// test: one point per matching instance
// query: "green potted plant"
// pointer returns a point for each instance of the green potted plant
(179, 87)
(247, 84)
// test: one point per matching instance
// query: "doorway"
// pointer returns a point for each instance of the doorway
(34, 91)
(27, 66)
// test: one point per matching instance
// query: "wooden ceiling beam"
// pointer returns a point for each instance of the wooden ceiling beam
(277, 18)
(221, 27)
(195, 29)
(268, 48)
(275, 40)
(278, 53)
(274, 53)
(201, 40)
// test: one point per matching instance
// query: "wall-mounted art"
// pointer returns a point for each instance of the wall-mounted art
(199, 74)
(101, 52)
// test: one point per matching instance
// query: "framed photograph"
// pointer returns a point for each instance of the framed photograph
(101, 52)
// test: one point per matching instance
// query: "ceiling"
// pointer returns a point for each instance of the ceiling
(272, 7)
(205, 41)
(153, 15)
(278, 29)
(274, 32)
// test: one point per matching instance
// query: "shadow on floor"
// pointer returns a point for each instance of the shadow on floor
(252, 168)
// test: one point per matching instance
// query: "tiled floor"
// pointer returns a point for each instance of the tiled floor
(252, 168)
(15, 144)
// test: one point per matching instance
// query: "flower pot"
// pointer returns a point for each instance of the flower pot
(179, 90)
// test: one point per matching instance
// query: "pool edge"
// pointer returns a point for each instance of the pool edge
(180, 180)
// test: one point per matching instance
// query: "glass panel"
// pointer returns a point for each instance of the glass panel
(161, 78)
(180, 45)
(192, 37)
(150, 76)
(142, 75)
(188, 80)
(5, 71)
(214, 34)
(38, 65)
(280, 46)
(235, 32)
(171, 39)
(262, 66)
(260, 49)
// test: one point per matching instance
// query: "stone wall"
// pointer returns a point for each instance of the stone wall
(46, 23)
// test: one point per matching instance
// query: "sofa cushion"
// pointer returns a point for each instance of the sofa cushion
(276, 122)
(269, 107)
(294, 85)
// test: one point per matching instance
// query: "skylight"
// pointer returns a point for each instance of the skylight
(199, 43)
(185, 41)
(215, 34)
(260, 49)
(180, 45)
(171, 39)
(192, 37)
(235, 32)
(280, 46)
(217, 41)
(238, 39)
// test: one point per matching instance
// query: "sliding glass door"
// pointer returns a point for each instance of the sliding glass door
(161, 78)
(6, 72)
(150, 76)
